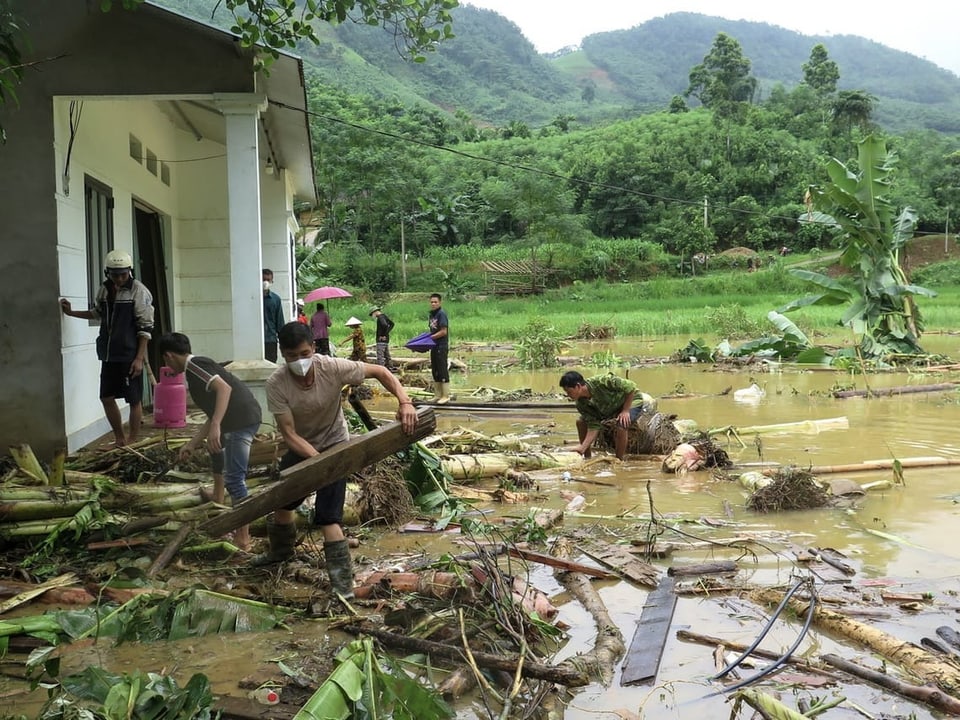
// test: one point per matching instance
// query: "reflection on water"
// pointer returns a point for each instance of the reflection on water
(922, 514)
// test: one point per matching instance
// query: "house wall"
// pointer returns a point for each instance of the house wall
(202, 254)
(101, 150)
(31, 397)
(123, 64)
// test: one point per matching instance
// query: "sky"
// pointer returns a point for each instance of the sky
(925, 28)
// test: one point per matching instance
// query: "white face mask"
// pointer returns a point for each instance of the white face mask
(301, 367)
(266, 285)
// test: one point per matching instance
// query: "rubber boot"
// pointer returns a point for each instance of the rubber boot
(339, 567)
(282, 539)
(442, 397)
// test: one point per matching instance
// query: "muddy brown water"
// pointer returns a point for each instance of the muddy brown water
(920, 551)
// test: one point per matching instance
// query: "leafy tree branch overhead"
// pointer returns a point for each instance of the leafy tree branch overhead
(417, 25)
(274, 25)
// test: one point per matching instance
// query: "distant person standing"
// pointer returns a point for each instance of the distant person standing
(301, 315)
(272, 317)
(320, 325)
(359, 352)
(439, 328)
(384, 326)
(124, 308)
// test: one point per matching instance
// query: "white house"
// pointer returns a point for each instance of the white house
(148, 132)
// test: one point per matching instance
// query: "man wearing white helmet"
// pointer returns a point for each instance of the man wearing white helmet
(124, 308)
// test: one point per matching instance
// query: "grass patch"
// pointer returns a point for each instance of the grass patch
(716, 305)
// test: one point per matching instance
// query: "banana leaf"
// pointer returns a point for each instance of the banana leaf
(138, 696)
(360, 686)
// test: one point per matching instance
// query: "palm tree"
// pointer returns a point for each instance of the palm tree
(853, 107)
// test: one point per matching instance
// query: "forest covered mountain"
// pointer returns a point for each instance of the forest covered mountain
(493, 74)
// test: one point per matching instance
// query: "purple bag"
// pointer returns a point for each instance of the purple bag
(421, 343)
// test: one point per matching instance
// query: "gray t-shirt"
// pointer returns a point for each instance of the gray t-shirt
(316, 410)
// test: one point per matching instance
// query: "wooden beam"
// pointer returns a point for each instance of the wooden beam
(321, 470)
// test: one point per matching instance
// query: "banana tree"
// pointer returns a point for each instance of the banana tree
(882, 309)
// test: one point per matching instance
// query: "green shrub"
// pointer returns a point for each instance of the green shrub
(539, 345)
(731, 321)
(938, 274)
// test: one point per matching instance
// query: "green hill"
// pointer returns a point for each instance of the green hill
(650, 63)
(493, 74)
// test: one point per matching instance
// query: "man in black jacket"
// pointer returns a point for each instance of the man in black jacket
(384, 326)
(124, 308)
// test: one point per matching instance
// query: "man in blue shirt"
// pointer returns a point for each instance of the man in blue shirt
(272, 317)
(439, 327)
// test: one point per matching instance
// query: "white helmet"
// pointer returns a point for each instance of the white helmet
(118, 260)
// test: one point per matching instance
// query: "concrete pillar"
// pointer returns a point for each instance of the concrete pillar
(242, 114)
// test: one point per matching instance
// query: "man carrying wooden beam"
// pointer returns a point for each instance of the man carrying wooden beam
(304, 396)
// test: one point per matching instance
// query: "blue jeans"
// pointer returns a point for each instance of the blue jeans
(233, 461)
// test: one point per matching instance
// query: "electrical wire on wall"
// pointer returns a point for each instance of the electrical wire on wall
(76, 110)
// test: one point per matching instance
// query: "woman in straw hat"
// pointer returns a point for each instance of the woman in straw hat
(359, 344)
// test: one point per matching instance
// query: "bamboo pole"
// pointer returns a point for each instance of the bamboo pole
(865, 466)
(57, 467)
(901, 390)
(810, 427)
(26, 511)
(487, 465)
(713, 641)
(914, 659)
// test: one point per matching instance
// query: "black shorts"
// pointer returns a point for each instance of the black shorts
(115, 382)
(328, 508)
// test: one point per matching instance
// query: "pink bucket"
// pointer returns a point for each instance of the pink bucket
(170, 400)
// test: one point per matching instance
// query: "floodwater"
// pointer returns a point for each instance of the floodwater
(917, 550)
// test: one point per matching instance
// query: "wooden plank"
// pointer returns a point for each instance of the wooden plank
(321, 470)
(556, 562)
(621, 561)
(646, 648)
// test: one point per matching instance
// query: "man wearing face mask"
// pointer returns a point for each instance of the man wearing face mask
(272, 317)
(124, 308)
(304, 397)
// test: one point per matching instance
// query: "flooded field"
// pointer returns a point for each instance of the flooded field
(903, 535)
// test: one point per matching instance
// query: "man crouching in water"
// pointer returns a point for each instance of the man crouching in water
(600, 398)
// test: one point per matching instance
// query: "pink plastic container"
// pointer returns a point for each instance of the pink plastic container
(170, 400)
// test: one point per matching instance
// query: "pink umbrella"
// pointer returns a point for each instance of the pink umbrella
(325, 293)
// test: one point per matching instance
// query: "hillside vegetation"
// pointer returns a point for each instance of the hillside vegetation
(489, 149)
(493, 74)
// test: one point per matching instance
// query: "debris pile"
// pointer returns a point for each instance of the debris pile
(789, 488)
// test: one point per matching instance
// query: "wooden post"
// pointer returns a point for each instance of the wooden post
(322, 470)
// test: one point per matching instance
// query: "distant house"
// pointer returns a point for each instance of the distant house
(148, 132)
